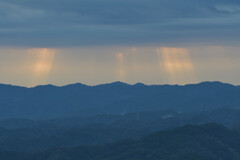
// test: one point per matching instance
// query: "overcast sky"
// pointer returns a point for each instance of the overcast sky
(96, 41)
(55, 23)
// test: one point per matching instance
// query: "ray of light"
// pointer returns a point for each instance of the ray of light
(120, 66)
(133, 52)
(42, 65)
(176, 64)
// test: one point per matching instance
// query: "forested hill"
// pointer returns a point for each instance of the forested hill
(206, 142)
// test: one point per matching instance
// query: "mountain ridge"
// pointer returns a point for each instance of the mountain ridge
(49, 101)
(117, 83)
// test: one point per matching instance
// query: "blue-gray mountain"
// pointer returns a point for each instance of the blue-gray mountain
(45, 102)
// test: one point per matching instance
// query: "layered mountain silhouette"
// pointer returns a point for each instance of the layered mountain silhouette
(46, 102)
(118, 121)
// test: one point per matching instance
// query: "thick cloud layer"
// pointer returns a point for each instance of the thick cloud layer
(65, 23)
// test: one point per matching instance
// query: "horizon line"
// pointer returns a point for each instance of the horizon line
(116, 82)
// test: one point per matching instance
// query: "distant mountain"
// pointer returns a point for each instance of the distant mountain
(48, 101)
(206, 142)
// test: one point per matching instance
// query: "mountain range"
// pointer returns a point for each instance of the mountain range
(118, 121)
(48, 101)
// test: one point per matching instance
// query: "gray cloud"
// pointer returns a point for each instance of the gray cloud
(113, 22)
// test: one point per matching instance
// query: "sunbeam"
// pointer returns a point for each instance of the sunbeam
(176, 63)
(42, 65)
(120, 66)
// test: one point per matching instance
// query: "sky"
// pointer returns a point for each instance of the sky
(101, 41)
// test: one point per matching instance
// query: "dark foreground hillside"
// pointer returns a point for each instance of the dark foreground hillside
(206, 142)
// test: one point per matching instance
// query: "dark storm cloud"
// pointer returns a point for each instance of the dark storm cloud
(117, 22)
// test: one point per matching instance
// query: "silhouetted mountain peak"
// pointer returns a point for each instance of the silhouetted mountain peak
(9, 86)
(214, 83)
(76, 85)
(46, 86)
(117, 83)
(5, 85)
(139, 84)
